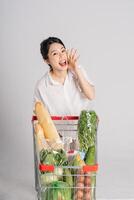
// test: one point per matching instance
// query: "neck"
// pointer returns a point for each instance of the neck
(59, 76)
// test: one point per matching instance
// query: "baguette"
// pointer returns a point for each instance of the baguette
(39, 135)
(44, 119)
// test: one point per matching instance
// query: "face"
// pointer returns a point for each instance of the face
(57, 57)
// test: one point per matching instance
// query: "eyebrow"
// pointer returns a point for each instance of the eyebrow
(56, 49)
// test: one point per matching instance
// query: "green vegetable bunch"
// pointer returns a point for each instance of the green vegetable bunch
(87, 129)
(52, 157)
(57, 158)
(57, 190)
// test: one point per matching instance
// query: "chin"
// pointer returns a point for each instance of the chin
(64, 68)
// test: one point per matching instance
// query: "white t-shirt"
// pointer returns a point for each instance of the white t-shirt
(61, 99)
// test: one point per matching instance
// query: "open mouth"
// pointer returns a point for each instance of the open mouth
(63, 63)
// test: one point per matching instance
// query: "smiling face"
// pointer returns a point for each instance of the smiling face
(57, 57)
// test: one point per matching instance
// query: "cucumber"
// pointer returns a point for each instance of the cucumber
(68, 177)
(90, 157)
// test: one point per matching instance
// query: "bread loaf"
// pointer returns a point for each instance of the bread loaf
(39, 135)
(44, 119)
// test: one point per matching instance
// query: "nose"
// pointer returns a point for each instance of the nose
(61, 54)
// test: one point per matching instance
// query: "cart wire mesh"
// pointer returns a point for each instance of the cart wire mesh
(81, 179)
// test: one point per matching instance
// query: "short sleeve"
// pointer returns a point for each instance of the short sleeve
(36, 97)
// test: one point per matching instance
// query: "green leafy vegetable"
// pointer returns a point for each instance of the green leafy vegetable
(87, 129)
(90, 157)
(49, 177)
(52, 157)
(87, 132)
(57, 190)
(56, 158)
(68, 177)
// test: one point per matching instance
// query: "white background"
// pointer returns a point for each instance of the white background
(103, 33)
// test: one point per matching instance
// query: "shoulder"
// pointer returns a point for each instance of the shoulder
(42, 81)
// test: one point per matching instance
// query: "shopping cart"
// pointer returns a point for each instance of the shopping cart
(82, 179)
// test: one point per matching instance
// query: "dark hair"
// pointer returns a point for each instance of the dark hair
(45, 44)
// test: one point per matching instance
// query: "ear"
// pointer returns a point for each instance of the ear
(46, 61)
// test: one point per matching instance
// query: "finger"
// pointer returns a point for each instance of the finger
(75, 60)
(71, 53)
(74, 54)
(68, 54)
(67, 51)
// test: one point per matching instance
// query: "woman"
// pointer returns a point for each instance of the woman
(65, 89)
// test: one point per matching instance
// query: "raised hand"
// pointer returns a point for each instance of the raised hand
(73, 57)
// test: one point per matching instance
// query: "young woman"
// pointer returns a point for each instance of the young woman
(65, 89)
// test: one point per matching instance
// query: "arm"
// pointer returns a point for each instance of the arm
(87, 88)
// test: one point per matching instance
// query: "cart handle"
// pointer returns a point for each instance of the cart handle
(59, 118)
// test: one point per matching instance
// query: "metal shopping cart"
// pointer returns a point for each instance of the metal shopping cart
(64, 182)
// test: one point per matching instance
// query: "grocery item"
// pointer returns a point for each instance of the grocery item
(79, 185)
(77, 161)
(87, 135)
(53, 157)
(46, 122)
(47, 178)
(90, 157)
(68, 177)
(87, 129)
(57, 190)
(56, 158)
(64, 173)
(39, 135)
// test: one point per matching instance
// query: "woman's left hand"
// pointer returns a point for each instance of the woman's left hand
(72, 59)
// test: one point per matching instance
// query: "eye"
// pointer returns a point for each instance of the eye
(54, 54)
(64, 50)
